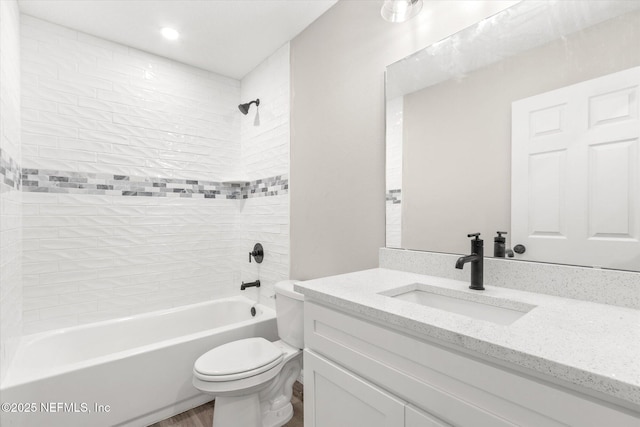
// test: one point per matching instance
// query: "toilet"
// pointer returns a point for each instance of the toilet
(252, 379)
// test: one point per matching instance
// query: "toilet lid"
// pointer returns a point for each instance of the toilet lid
(254, 355)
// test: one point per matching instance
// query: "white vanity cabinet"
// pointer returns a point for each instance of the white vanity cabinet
(335, 397)
(414, 417)
(361, 373)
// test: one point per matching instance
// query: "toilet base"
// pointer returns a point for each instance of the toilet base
(234, 411)
(278, 418)
(245, 411)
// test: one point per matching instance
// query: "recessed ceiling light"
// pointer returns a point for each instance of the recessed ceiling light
(170, 33)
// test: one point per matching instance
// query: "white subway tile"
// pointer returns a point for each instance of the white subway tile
(88, 113)
(60, 86)
(83, 48)
(121, 241)
(71, 276)
(128, 150)
(36, 255)
(49, 291)
(84, 231)
(103, 283)
(120, 67)
(120, 160)
(50, 164)
(29, 150)
(85, 199)
(28, 44)
(39, 66)
(40, 267)
(39, 233)
(63, 244)
(50, 95)
(48, 129)
(85, 297)
(84, 144)
(68, 309)
(85, 264)
(107, 137)
(38, 104)
(68, 210)
(74, 121)
(95, 104)
(30, 316)
(39, 303)
(80, 79)
(63, 154)
(30, 279)
(41, 198)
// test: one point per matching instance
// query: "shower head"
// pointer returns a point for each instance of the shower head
(244, 108)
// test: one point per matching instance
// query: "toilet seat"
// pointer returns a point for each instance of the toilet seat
(237, 360)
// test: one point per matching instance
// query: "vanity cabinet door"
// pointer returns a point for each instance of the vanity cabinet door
(335, 397)
(414, 417)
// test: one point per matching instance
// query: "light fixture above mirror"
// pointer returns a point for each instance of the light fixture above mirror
(397, 11)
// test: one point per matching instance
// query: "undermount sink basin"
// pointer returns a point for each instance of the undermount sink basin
(474, 305)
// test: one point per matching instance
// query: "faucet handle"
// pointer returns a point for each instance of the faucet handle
(476, 235)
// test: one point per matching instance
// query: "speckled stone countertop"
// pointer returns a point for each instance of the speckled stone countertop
(596, 346)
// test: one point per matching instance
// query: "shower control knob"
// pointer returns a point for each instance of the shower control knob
(257, 253)
(519, 249)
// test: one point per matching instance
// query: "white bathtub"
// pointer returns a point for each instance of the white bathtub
(140, 366)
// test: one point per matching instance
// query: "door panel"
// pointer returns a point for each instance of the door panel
(575, 173)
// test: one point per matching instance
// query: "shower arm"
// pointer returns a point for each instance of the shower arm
(244, 108)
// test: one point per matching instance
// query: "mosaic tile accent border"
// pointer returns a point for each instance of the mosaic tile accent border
(53, 181)
(394, 196)
(9, 170)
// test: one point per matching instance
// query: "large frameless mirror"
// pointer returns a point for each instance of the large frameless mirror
(527, 123)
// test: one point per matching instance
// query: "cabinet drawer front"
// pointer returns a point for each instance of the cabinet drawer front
(335, 397)
(413, 417)
(454, 387)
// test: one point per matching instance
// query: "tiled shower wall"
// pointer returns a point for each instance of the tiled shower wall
(265, 153)
(125, 158)
(10, 197)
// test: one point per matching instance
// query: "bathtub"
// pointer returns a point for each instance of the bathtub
(132, 371)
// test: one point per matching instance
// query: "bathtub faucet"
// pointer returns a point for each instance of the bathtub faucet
(250, 285)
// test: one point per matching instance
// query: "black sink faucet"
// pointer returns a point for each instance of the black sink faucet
(477, 262)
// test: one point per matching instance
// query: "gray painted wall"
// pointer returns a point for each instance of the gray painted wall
(337, 127)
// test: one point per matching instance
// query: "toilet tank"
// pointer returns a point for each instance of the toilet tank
(290, 314)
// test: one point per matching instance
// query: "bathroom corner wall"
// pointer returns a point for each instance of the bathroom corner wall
(10, 196)
(123, 157)
(264, 135)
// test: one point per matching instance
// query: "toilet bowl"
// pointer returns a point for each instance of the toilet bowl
(252, 379)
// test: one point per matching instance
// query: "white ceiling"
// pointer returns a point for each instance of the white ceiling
(229, 37)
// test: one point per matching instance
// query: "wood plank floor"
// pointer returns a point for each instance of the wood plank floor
(202, 416)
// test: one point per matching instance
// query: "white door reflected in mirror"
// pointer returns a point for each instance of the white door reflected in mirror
(576, 173)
